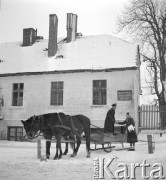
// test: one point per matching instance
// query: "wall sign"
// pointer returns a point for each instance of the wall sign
(125, 95)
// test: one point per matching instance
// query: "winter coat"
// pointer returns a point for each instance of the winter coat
(110, 121)
(131, 135)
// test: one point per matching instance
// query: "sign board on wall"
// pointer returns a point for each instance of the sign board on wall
(125, 95)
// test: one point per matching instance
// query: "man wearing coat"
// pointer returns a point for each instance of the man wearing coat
(110, 120)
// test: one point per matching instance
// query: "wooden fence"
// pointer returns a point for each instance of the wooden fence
(152, 117)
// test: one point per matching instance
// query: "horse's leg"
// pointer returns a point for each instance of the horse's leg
(47, 135)
(58, 147)
(66, 149)
(87, 135)
(88, 148)
(75, 150)
(73, 146)
(56, 155)
(72, 138)
(48, 145)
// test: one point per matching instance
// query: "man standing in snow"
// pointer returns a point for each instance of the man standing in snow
(110, 120)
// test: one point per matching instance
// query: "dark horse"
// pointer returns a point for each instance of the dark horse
(52, 125)
(45, 129)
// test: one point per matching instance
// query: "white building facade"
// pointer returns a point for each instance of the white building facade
(84, 76)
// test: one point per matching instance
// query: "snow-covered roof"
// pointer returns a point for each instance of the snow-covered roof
(87, 52)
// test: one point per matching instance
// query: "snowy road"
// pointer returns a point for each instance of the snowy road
(18, 160)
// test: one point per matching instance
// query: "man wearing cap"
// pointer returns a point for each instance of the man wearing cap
(110, 120)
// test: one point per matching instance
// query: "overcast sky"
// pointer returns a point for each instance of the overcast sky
(94, 16)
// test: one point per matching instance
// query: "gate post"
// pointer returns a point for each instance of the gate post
(150, 144)
(139, 119)
(43, 150)
(39, 149)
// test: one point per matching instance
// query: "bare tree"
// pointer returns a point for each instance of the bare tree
(145, 22)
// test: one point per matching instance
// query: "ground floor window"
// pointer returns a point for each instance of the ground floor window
(15, 133)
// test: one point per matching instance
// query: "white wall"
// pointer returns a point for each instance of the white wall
(77, 95)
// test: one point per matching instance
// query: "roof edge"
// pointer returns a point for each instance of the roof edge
(68, 71)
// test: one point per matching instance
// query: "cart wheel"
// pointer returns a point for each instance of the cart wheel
(107, 147)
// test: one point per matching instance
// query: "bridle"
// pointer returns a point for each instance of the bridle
(39, 118)
(29, 125)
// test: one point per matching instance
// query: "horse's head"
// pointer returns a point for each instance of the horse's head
(31, 126)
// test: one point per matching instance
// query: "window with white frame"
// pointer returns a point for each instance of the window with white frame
(57, 93)
(17, 99)
(99, 92)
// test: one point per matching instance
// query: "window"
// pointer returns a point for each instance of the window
(18, 94)
(15, 133)
(99, 92)
(57, 93)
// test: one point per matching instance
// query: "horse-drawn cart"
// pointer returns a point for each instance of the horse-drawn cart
(70, 128)
(99, 138)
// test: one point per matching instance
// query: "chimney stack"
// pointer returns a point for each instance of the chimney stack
(53, 31)
(29, 35)
(71, 27)
(74, 27)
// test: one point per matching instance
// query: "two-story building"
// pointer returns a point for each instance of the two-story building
(75, 75)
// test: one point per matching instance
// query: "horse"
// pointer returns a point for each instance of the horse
(58, 125)
(47, 135)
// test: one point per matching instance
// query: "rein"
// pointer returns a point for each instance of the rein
(26, 137)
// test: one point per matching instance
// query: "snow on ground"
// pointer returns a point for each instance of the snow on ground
(18, 160)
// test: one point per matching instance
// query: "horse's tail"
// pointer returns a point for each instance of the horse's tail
(88, 137)
(86, 123)
(87, 129)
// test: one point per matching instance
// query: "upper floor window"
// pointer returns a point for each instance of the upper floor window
(18, 89)
(57, 93)
(99, 92)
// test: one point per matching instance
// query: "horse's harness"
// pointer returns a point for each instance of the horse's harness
(72, 129)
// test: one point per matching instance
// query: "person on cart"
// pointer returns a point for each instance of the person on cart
(131, 133)
(110, 120)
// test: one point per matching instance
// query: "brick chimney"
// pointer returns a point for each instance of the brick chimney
(29, 35)
(71, 27)
(74, 27)
(53, 31)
